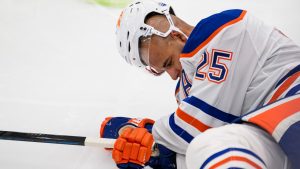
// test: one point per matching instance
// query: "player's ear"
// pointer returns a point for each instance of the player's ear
(175, 34)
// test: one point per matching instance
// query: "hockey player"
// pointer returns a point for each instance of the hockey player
(229, 64)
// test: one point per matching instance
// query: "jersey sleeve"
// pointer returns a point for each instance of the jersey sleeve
(214, 80)
(235, 146)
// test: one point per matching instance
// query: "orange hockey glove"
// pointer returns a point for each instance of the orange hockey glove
(133, 148)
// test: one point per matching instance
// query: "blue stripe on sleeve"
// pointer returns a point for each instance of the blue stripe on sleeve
(177, 85)
(220, 153)
(293, 90)
(290, 144)
(210, 110)
(290, 73)
(179, 131)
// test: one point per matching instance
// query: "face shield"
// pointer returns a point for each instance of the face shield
(145, 45)
(145, 55)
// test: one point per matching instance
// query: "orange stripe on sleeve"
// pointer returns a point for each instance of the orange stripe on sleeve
(187, 55)
(288, 82)
(272, 117)
(191, 120)
(235, 158)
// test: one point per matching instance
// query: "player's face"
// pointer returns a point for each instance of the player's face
(164, 55)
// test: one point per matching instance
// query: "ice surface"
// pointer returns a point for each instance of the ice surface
(60, 73)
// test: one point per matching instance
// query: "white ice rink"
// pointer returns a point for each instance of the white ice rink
(60, 73)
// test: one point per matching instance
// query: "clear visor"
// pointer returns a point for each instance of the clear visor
(145, 53)
(145, 43)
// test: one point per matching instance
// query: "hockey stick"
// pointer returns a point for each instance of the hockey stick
(57, 139)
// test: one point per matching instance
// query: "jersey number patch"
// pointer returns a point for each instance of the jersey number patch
(212, 68)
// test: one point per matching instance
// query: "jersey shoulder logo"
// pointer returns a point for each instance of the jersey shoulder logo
(186, 83)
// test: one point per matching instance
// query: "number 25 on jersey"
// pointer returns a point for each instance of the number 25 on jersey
(212, 67)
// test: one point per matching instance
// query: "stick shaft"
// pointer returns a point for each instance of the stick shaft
(56, 139)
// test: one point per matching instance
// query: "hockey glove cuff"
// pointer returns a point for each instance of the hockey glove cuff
(112, 127)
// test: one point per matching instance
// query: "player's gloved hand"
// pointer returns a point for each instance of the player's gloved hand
(132, 150)
(161, 158)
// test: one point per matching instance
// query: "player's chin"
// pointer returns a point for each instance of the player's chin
(179, 75)
(175, 77)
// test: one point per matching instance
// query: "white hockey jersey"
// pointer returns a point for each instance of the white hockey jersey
(231, 62)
